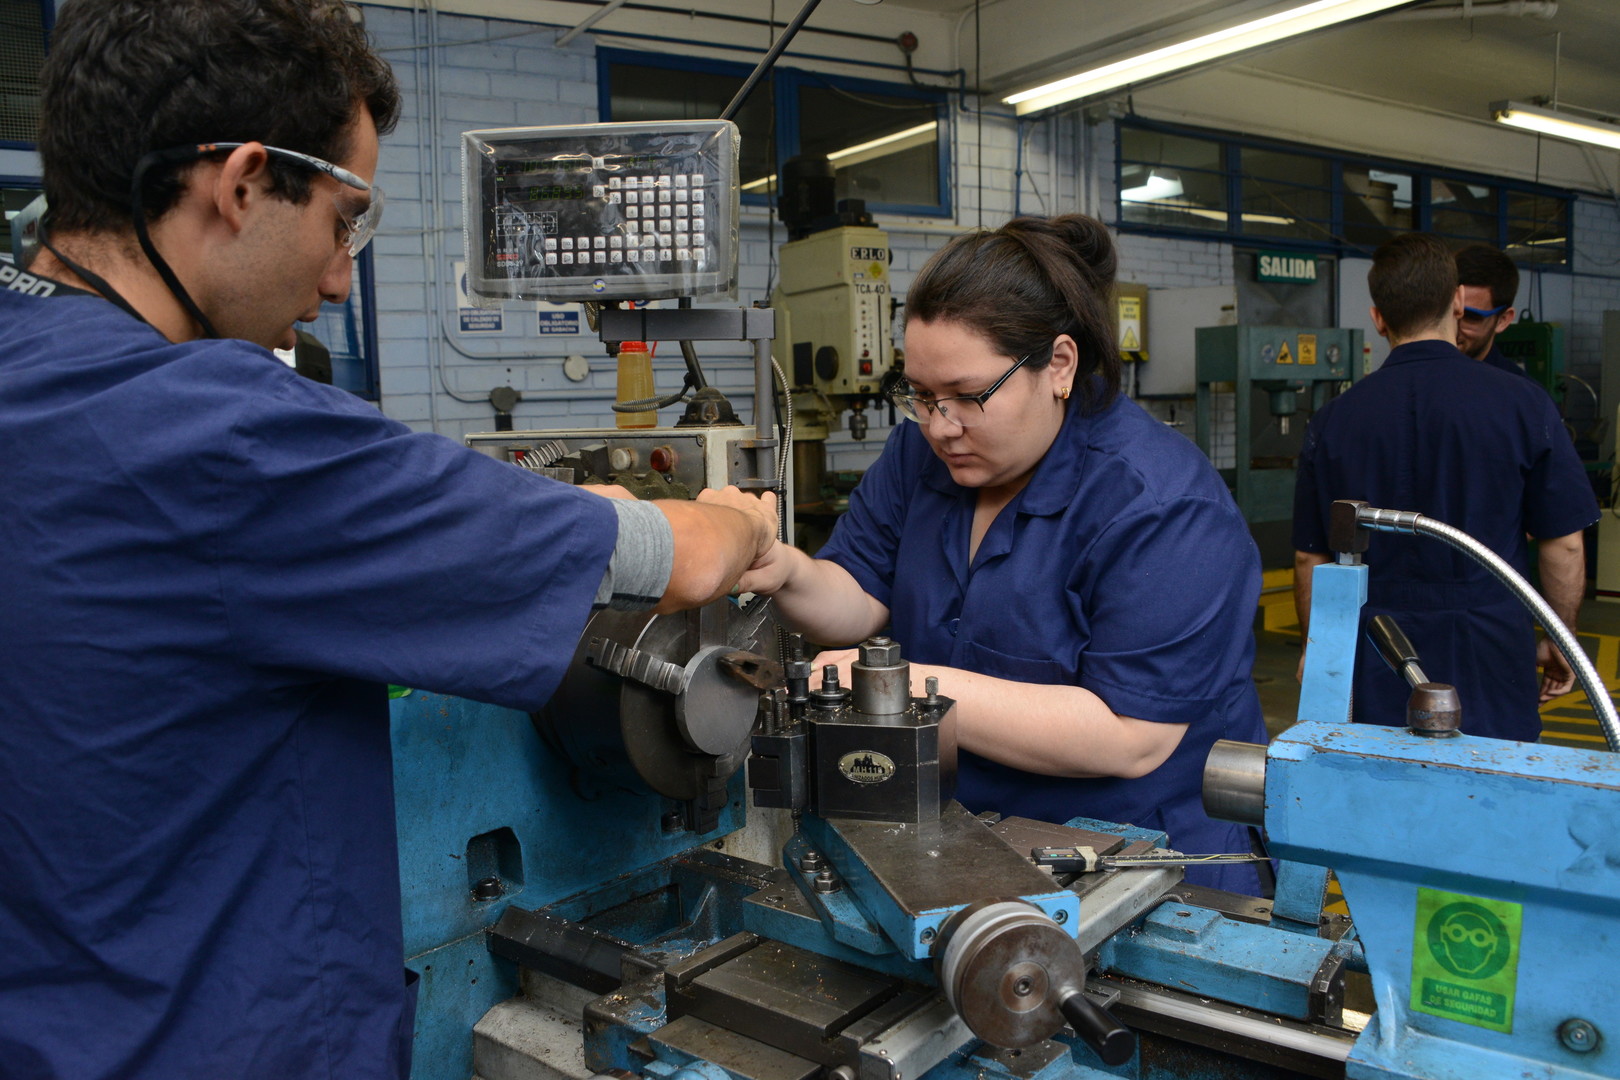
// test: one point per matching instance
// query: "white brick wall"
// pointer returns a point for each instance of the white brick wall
(1066, 165)
(1596, 286)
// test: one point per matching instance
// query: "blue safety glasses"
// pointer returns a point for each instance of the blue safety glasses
(1474, 314)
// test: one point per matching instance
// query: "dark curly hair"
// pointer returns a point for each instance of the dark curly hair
(125, 77)
(1024, 284)
(1481, 264)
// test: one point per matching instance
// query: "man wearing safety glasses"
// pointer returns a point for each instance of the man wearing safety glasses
(210, 567)
(1489, 283)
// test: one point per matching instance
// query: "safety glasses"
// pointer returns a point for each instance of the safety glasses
(1474, 314)
(359, 227)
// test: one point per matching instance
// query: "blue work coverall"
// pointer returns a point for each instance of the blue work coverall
(209, 567)
(1465, 442)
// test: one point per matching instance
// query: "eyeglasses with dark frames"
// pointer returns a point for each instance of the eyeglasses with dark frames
(965, 410)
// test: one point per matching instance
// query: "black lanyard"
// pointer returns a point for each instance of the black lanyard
(95, 280)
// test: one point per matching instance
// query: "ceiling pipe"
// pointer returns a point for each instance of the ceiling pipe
(589, 21)
(1468, 9)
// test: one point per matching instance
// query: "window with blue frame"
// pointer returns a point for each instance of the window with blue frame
(887, 141)
(1188, 181)
(23, 25)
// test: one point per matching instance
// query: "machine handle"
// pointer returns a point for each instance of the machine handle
(1113, 1041)
(1396, 648)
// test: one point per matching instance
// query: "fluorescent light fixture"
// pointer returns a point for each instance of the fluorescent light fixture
(893, 143)
(1153, 188)
(883, 146)
(1199, 50)
(1222, 215)
(1560, 125)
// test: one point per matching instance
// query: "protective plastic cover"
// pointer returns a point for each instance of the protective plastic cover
(601, 211)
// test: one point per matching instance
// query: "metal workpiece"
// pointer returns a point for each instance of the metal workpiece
(1406, 521)
(1235, 782)
(683, 743)
(714, 709)
(1434, 710)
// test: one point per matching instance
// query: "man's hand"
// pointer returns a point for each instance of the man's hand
(1557, 676)
(760, 508)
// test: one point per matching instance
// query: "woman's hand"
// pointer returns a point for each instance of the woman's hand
(771, 572)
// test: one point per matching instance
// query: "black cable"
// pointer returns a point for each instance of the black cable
(94, 280)
(769, 59)
(773, 200)
(978, 120)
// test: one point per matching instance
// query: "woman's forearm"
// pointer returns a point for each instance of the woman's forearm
(815, 597)
(1046, 729)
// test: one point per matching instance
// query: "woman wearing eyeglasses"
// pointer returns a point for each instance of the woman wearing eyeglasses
(1075, 573)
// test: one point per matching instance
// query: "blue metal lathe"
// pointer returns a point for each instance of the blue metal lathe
(587, 892)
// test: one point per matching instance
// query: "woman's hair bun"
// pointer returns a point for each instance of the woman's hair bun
(1092, 245)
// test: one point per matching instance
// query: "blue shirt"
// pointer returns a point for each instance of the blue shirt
(208, 568)
(1123, 567)
(1459, 440)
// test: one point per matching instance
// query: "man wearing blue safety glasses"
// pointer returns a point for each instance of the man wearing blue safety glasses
(1489, 283)
(210, 567)
(1437, 432)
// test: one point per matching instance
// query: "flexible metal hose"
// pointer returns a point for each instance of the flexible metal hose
(1406, 521)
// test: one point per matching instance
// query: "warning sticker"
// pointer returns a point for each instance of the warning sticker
(1307, 349)
(1465, 958)
(1284, 356)
(1130, 324)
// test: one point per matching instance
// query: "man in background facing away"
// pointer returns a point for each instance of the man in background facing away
(1472, 446)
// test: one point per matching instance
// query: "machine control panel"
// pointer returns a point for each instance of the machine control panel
(601, 211)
